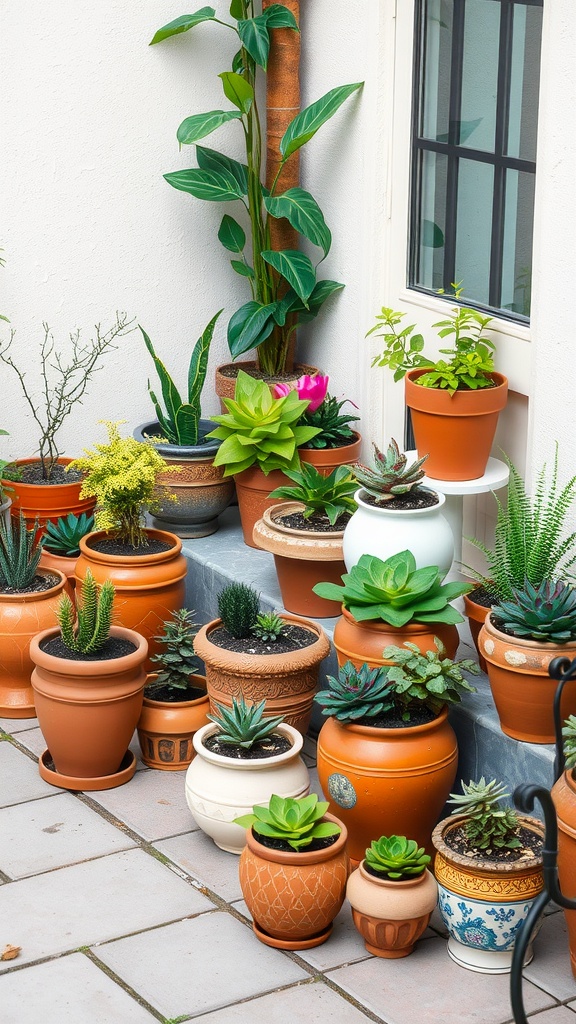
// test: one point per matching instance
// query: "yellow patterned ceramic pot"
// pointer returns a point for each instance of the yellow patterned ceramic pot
(483, 903)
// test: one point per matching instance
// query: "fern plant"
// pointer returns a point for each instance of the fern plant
(85, 623)
(20, 552)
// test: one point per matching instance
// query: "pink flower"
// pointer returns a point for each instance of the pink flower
(314, 389)
(281, 390)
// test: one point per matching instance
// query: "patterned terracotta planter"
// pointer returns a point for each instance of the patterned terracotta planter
(166, 728)
(564, 797)
(391, 916)
(226, 385)
(363, 642)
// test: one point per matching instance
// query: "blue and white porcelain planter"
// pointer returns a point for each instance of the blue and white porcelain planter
(484, 903)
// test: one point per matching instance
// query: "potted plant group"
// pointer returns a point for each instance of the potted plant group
(263, 656)
(197, 488)
(392, 894)
(336, 443)
(293, 871)
(175, 701)
(489, 872)
(61, 544)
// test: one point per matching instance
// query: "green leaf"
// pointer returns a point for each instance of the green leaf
(211, 160)
(231, 234)
(249, 327)
(295, 267)
(237, 9)
(238, 63)
(199, 363)
(209, 185)
(305, 125)
(187, 425)
(242, 268)
(255, 38)
(237, 90)
(199, 125)
(170, 394)
(302, 211)
(182, 24)
(278, 16)
(322, 291)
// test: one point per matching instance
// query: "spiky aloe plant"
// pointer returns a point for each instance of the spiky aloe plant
(268, 627)
(63, 537)
(569, 734)
(177, 661)
(546, 613)
(20, 552)
(396, 857)
(296, 821)
(334, 425)
(356, 693)
(93, 613)
(238, 607)
(488, 826)
(328, 496)
(243, 725)
(390, 474)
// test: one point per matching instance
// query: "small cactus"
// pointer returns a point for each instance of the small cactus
(93, 613)
(396, 857)
(390, 475)
(238, 607)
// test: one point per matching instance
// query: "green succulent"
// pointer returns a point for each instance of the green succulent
(569, 734)
(243, 725)
(390, 475)
(259, 429)
(356, 693)
(489, 826)
(428, 678)
(396, 857)
(85, 623)
(63, 537)
(324, 496)
(295, 820)
(332, 423)
(395, 591)
(238, 607)
(268, 627)
(177, 661)
(20, 552)
(546, 613)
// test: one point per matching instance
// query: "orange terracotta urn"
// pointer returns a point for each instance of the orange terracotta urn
(46, 501)
(327, 459)
(166, 728)
(391, 915)
(363, 642)
(64, 563)
(253, 489)
(564, 797)
(476, 615)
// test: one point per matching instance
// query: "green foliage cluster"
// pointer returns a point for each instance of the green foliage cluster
(429, 679)
(63, 537)
(268, 627)
(177, 662)
(238, 607)
(390, 474)
(295, 820)
(546, 613)
(20, 553)
(356, 693)
(243, 725)
(333, 424)
(397, 858)
(489, 826)
(85, 622)
(569, 734)
(3, 464)
(325, 497)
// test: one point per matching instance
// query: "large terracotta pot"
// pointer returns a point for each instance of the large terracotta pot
(302, 558)
(476, 615)
(253, 492)
(220, 789)
(523, 691)
(455, 432)
(564, 797)
(166, 728)
(149, 587)
(483, 903)
(363, 642)
(87, 710)
(294, 897)
(22, 616)
(287, 682)
(327, 459)
(391, 916)
(225, 385)
(47, 501)
(385, 782)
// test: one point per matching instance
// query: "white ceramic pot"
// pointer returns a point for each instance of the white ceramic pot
(384, 532)
(5, 510)
(219, 788)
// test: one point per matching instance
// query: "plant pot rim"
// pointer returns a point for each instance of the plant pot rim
(388, 733)
(482, 864)
(74, 667)
(151, 702)
(407, 512)
(499, 379)
(302, 857)
(255, 763)
(195, 452)
(35, 594)
(523, 643)
(265, 664)
(310, 545)
(282, 378)
(381, 626)
(62, 460)
(159, 556)
(392, 883)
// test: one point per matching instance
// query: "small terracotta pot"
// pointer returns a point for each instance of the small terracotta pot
(363, 642)
(166, 728)
(294, 897)
(564, 797)
(253, 492)
(476, 615)
(66, 565)
(391, 916)
(327, 459)
(523, 691)
(47, 501)
(225, 385)
(455, 432)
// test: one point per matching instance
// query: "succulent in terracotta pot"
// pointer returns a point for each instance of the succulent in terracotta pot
(324, 412)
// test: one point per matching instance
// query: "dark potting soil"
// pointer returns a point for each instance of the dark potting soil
(502, 628)
(293, 638)
(110, 546)
(115, 647)
(269, 747)
(32, 473)
(404, 502)
(40, 583)
(232, 371)
(170, 695)
(531, 846)
(393, 719)
(318, 524)
(343, 442)
(482, 597)
(280, 844)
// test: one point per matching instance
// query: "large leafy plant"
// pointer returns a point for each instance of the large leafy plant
(428, 679)
(284, 287)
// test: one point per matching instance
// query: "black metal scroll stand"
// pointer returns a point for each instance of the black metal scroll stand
(524, 796)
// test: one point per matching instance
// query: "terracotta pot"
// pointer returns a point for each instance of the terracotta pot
(302, 559)
(166, 728)
(327, 459)
(391, 916)
(226, 385)
(521, 687)
(294, 897)
(387, 781)
(22, 616)
(149, 587)
(50, 560)
(88, 710)
(455, 432)
(564, 797)
(363, 642)
(483, 903)
(197, 487)
(220, 788)
(47, 501)
(253, 493)
(476, 615)
(287, 682)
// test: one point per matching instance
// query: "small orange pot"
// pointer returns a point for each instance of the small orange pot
(455, 432)
(47, 501)
(564, 797)
(166, 728)
(253, 492)
(225, 385)
(327, 459)
(363, 642)
(476, 615)
(391, 916)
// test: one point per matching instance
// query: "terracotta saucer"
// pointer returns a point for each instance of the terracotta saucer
(124, 774)
(295, 944)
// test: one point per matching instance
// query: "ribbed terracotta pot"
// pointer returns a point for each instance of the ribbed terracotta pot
(523, 691)
(287, 682)
(455, 432)
(564, 797)
(253, 492)
(327, 459)
(363, 642)
(47, 501)
(391, 916)
(22, 616)
(225, 385)
(302, 559)
(476, 615)
(294, 897)
(384, 782)
(166, 728)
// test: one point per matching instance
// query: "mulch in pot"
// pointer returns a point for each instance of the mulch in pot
(271, 746)
(115, 647)
(296, 521)
(33, 473)
(170, 695)
(393, 719)
(531, 846)
(41, 582)
(293, 638)
(404, 502)
(280, 844)
(111, 546)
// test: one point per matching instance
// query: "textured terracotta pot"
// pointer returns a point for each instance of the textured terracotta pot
(302, 558)
(476, 615)
(363, 642)
(455, 432)
(47, 501)
(67, 566)
(294, 897)
(88, 710)
(483, 903)
(166, 728)
(220, 788)
(149, 587)
(327, 459)
(564, 797)
(22, 616)
(287, 682)
(391, 916)
(225, 385)
(521, 687)
(387, 781)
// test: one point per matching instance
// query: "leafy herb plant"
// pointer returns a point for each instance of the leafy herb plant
(428, 679)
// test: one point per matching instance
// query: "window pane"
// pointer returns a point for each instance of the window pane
(436, 49)
(517, 255)
(480, 74)
(474, 229)
(524, 79)
(432, 220)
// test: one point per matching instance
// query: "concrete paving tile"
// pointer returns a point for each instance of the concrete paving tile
(20, 778)
(196, 854)
(92, 902)
(65, 990)
(32, 740)
(153, 804)
(550, 968)
(558, 1015)
(421, 989)
(314, 1003)
(344, 946)
(209, 962)
(14, 725)
(44, 834)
